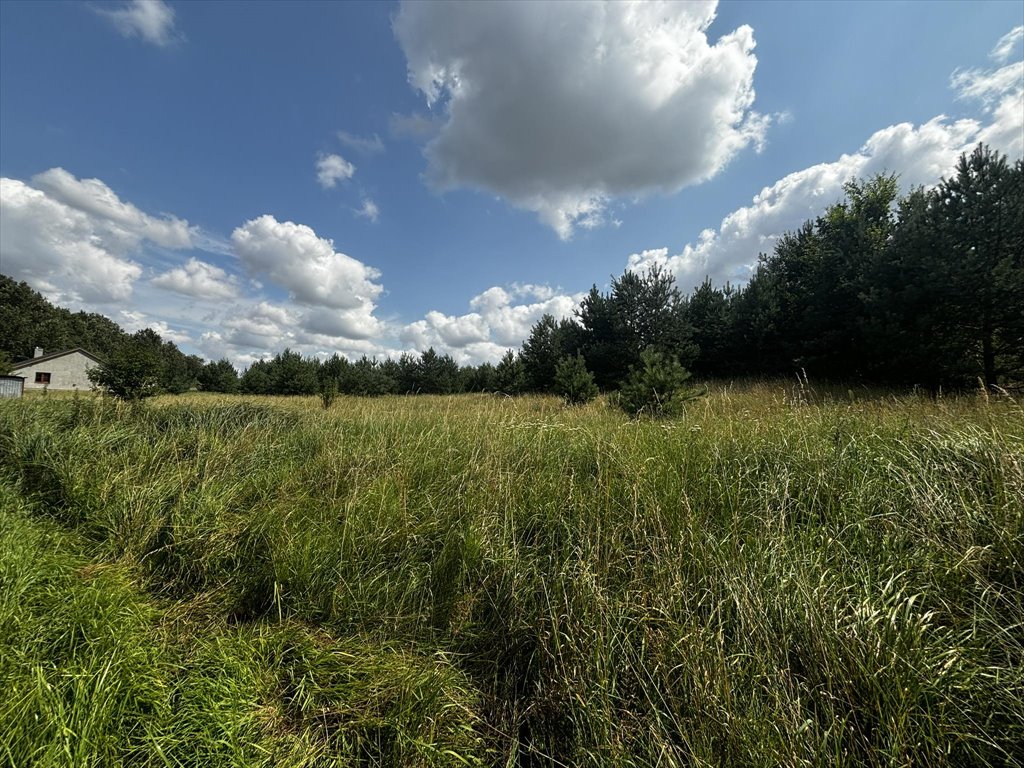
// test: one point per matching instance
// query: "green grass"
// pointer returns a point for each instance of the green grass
(781, 577)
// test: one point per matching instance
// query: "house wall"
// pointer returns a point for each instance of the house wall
(66, 372)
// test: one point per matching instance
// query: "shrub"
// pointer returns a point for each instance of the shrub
(328, 391)
(131, 373)
(573, 381)
(657, 388)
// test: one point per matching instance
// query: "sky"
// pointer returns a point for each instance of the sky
(378, 178)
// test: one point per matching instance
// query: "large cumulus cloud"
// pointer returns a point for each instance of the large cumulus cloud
(75, 239)
(559, 107)
(336, 292)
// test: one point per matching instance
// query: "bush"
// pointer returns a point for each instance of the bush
(573, 381)
(657, 388)
(131, 373)
(328, 391)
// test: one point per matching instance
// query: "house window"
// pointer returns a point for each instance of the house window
(42, 377)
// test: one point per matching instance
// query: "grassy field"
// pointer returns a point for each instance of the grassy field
(778, 578)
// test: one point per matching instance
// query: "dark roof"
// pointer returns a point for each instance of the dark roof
(52, 356)
(5, 376)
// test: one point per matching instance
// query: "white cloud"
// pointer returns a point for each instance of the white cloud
(494, 325)
(988, 85)
(368, 210)
(122, 220)
(263, 326)
(560, 107)
(135, 321)
(73, 239)
(251, 330)
(151, 20)
(338, 292)
(1006, 45)
(366, 145)
(921, 155)
(200, 280)
(1000, 92)
(333, 168)
(295, 258)
(530, 290)
(455, 332)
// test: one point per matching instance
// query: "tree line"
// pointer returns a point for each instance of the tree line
(28, 320)
(143, 363)
(924, 289)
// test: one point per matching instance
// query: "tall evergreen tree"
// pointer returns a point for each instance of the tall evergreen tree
(707, 312)
(540, 354)
(981, 221)
(510, 375)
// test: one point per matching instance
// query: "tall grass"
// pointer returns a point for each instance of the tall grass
(782, 576)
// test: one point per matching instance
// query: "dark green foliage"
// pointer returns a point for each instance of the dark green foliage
(28, 321)
(598, 340)
(291, 374)
(656, 387)
(482, 378)
(980, 220)
(927, 289)
(650, 313)
(328, 392)
(612, 329)
(510, 375)
(369, 378)
(573, 382)
(708, 313)
(257, 379)
(641, 311)
(219, 376)
(436, 374)
(542, 352)
(179, 372)
(133, 371)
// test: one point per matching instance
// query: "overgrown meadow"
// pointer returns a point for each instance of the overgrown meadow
(780, 577)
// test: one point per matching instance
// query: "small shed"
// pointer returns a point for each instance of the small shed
(57, 370)
(12, 386)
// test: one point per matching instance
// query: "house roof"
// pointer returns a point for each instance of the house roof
(54, 356)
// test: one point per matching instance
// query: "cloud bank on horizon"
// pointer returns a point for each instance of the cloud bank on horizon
(557, 130)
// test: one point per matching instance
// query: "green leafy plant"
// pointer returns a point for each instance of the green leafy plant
(132, 372)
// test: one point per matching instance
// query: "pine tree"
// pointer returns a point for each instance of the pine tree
(573, 381)
(509, 375)
(656, 387)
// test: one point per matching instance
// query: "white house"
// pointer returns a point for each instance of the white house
(57, 370)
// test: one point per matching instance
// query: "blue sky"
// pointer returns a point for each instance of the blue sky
(374, 178)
